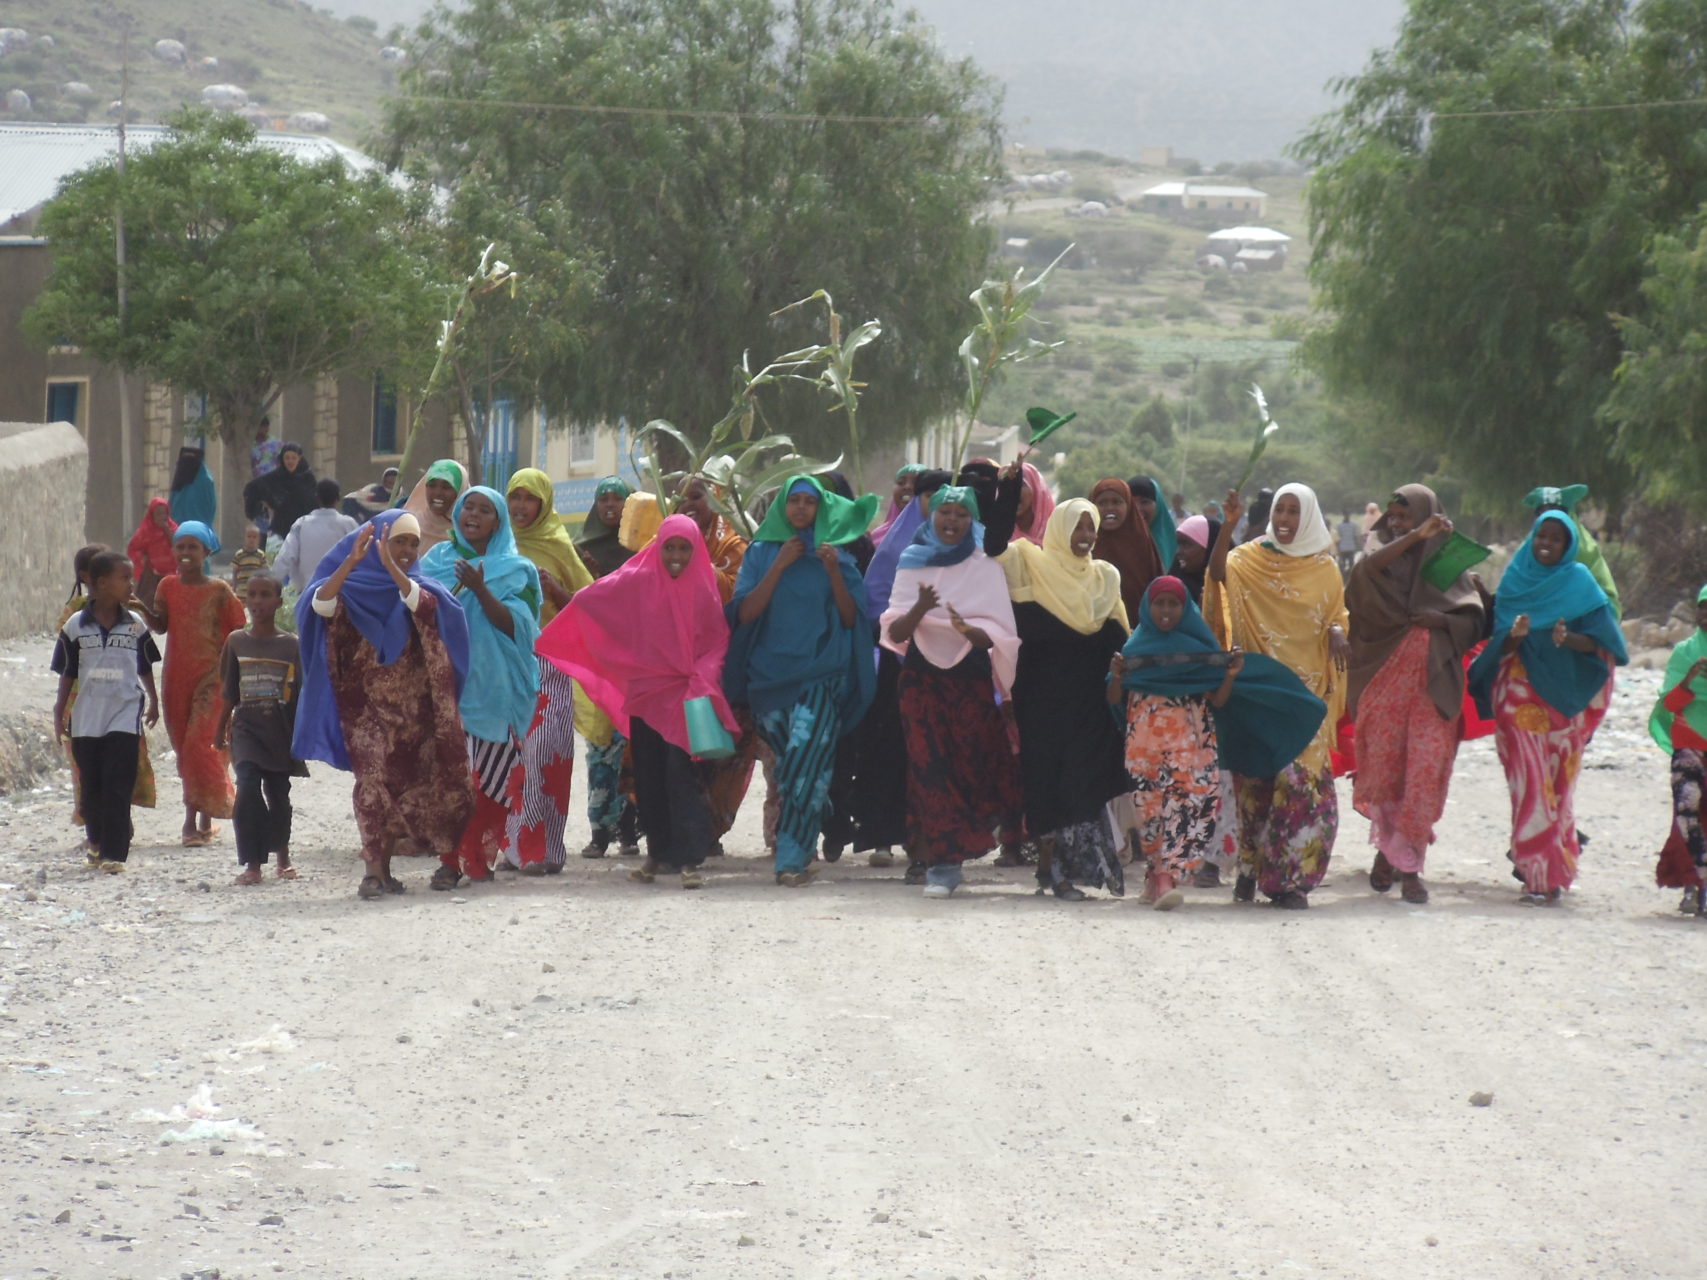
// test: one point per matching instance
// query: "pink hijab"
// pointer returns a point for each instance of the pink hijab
(1031, 527)
(642, 643)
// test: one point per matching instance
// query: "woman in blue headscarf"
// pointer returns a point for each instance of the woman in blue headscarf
(1546, 679)
(800, 655)
(952, 623)
(500, 594)
(194, 496)
(384, 656)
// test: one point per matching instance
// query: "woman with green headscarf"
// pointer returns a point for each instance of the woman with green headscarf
(434, 497)
(1679, 725)
(800, 655)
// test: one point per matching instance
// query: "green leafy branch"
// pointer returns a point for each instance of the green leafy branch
(1001, 337)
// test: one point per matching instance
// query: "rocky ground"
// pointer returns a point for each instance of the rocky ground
(584, 1077)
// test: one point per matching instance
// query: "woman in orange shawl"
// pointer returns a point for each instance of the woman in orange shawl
(1281, 594)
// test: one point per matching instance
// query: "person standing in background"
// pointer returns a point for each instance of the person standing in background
(311, 537)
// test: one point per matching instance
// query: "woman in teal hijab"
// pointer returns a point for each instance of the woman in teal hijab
(1545, 679)
(800, 655)
(1148, 495)
(498, 588)
(194, 496)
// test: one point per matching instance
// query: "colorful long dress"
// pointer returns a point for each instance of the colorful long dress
(1406, 683)
(1282, 602)
(1546, 700)
(1541, 751)
(198, 618)
(539, 786)
(501, 692)
(1678, 725)
(1172, 760)
(413, 790)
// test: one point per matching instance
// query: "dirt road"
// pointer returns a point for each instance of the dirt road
(583, 1077)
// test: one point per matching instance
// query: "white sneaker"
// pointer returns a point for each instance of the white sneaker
(938, 891)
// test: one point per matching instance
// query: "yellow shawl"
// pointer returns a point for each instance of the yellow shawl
(1081, 592)
(1282, 606)
(546, 542)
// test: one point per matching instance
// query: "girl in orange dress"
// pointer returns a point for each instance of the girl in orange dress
(196, 613)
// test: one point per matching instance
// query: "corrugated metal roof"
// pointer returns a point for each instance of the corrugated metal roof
(1252, 235)
(1165, 189)
(36, 158)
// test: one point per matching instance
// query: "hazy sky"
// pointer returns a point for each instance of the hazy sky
(1214, 79)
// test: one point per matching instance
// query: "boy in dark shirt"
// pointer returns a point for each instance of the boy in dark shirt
(259, 674)
(105, 651)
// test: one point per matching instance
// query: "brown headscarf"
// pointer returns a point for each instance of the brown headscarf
(1383, 602)
(1128, 547)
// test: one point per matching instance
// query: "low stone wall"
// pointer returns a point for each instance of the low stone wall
(44, 469)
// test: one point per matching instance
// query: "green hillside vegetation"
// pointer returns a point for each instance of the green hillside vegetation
(286, 55)
(1159, 356)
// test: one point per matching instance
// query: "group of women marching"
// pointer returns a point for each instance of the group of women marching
(1080, 685)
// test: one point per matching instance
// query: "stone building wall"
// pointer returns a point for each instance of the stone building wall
(44, 474)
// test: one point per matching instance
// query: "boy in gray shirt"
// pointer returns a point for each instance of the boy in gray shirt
(106, 653)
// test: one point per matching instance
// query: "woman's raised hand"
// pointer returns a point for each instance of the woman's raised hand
(1232, 508)
(1432, 527)
(928, 598)
(358, 549)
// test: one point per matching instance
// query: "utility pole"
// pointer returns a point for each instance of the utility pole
(127, 446)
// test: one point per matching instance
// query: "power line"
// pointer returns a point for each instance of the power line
(809, 117)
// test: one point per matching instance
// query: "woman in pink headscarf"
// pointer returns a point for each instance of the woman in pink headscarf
(642, 641)
(1036, 504)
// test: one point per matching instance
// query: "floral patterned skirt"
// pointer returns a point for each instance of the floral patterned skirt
(1171, 755)
(1287, 826)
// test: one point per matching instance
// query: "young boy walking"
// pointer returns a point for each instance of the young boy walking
(105, 651)
(259, 675)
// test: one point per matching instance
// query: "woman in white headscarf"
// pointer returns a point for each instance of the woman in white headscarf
(1282, 595)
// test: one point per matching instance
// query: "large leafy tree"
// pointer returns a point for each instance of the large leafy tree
(687, 141)
(1482, 210)
(247, 271)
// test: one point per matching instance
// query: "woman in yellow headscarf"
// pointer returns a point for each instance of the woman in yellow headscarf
(1281, 594)
(1071, 622)
(539, 787)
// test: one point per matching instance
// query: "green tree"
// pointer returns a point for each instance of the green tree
(518, 343)
(1468, 263)
(688, 143)
(247, 271)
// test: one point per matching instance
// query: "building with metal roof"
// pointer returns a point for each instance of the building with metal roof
(35, 159)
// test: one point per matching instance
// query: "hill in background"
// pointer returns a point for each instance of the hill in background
(285, 56)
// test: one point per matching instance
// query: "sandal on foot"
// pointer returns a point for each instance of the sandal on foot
(198, 839)
(394, 885)
(287, 872)
(1381, 874)
(1245, 889)
(1069, 892)
(532, 869)
(370, 887)
(1291, 900)
(593, 849)
(249, 875)
(793, 879)
(915, 873)
(446, 877)
(1414, 890)
(1010, 856)
(876, 858)
(692, 879)
(1208, 877)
